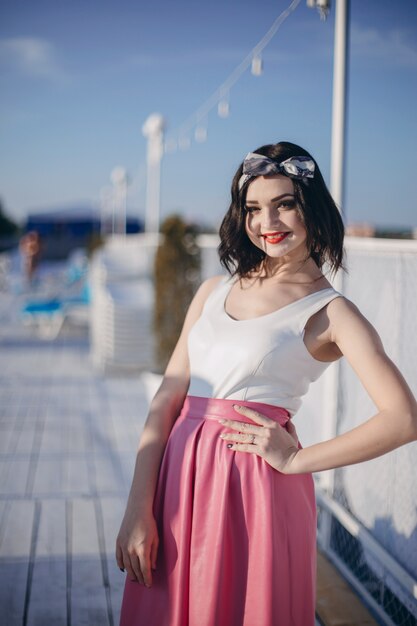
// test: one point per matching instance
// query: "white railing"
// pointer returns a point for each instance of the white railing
(122, 298)
(380, 495)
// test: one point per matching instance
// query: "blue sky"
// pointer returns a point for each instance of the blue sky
(78, 79)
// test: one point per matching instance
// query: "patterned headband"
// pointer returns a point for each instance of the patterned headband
(259, 165)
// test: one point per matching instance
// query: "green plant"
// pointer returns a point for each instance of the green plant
(177, 275)
(95, 242)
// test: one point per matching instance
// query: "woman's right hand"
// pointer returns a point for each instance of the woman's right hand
(137, 546)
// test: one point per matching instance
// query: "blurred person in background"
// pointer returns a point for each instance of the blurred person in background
(220, 523)
(30, 251)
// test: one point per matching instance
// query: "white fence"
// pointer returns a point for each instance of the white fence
(369, 519)
(122, 300)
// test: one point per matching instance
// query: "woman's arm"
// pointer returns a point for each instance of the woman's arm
(137, 542)
(164, 409)
(395, 423)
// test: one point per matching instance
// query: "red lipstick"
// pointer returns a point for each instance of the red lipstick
(275, 237)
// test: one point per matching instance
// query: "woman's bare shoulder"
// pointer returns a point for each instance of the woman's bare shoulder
(348, 324)
(179, 363)
(208, 286)
(342, 306)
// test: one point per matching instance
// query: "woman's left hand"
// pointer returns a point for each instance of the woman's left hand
(277, 444)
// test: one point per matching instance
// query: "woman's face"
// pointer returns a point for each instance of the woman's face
(272, 222)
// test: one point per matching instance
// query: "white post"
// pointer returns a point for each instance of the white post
(119, 179)
(153, 130)
(106, 199)
(337, 189)
(341, 44)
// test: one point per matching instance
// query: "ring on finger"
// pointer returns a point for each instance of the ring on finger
(253, 438)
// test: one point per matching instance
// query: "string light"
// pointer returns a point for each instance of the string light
(184, 143)
(200, 134)
(197, 123)
(223, 108)
(170, 145)
(322, 6)
(218, 99)
(257, 65)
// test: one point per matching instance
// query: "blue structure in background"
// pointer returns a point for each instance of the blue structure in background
(64, 230)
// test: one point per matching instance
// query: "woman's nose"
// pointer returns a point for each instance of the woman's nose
(270, 217)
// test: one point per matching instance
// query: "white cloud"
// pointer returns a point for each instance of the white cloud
(33, 57)
(194, 56)
(392, 48)
(200, 57)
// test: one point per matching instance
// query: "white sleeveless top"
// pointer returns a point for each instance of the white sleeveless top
(263, 359)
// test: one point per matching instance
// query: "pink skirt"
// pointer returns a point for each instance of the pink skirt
(237, 538)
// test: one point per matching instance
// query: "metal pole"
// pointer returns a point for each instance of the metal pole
(154, 190)
(153, 130)
(105, 203)
(338, 150)
(114, 211)
(331, 405)
(118, 177)
(123, 206)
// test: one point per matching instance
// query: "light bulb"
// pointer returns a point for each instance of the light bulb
(170, 146)
(200, 134)
(257, 65)
(184, 143)
(223, 108)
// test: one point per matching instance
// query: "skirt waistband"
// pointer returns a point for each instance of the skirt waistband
(218, 408)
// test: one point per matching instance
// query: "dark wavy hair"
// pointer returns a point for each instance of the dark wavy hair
(317, 209)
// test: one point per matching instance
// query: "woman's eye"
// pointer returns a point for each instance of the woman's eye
(287, 204)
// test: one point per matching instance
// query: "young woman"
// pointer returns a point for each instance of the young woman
(220, 524)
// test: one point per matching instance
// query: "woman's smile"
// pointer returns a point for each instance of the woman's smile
(274, 238)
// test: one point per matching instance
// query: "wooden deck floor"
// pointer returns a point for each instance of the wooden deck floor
(67, 446)
(68, 439)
